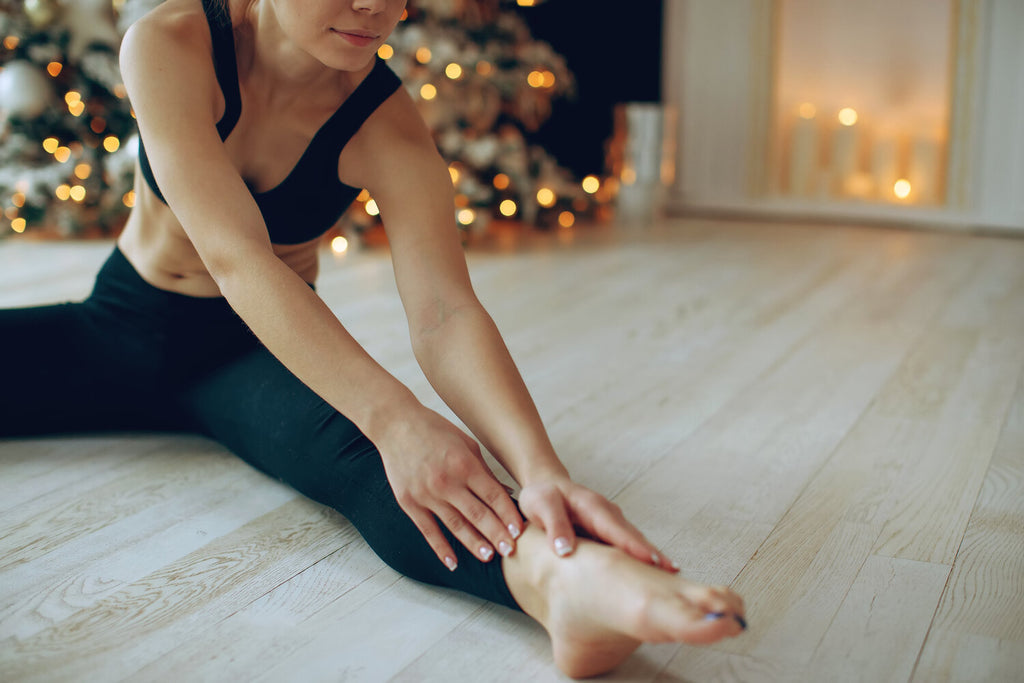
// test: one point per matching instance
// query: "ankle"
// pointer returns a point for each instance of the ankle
(529, 573)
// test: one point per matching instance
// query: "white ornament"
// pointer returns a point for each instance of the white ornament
(25, 91)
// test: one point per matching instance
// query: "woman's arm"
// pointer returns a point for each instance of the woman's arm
(166, 64)
(457, 343)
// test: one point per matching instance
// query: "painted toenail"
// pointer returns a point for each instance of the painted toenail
(562, 546)
(504, 549)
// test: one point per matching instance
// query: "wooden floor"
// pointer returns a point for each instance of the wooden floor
(829, 419)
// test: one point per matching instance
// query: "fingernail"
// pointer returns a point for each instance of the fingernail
(742, 622)
(514, 530)
(655, 559)
(504, 549)
(485, 553)
(675, 566)
(562, 546)
(450, 563)
(712, 616)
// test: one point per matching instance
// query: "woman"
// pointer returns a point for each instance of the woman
(260, 119)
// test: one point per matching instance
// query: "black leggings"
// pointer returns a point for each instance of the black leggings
(135, 357)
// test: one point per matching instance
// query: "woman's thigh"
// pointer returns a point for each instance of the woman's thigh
(259, 410)
(70, 368)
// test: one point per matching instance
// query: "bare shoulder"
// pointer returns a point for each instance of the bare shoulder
(393, 142)
(174, 23)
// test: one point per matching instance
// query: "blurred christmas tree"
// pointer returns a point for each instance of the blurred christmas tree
(68, 138)
(64, 119)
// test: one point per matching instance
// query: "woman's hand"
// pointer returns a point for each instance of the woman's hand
(558, 504)
(435, 468)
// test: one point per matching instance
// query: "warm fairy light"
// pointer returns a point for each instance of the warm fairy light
(77, 193)
(428, 91)
(566, 219)
(405, 15)
(72, 96)
(546, 197)
(18, 199)
(77, 108)
(549, 79)
(62, 154)
(526, 3)
(11, 213)
(11, 42)
(807, 111)
(339, 245)
(847, 116)
(484, 68)
(591, 184)
(83, 171)
(628, 175)
(466, 216)
(901, 188)
(535, 79)
(454, 173)
(363, 195)
(18, 225)
(385, 51)
(453, 71)
(111, 143)
(423, 55)
(63, 192)
(501, 181)
(98, 125)
(120, 92)
(51, 145)
(129, 198)
(54, 68)
(507, 208)
(461, 200)
(371, 208)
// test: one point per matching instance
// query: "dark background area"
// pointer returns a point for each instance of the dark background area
(613, 48)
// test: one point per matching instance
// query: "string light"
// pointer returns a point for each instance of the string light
(83, 171)
(628, 175)
(62, 154)
(428, 91)
(11, 213)
(111, 143)
(807, 111)
(453, 71)
(63, 192)
(461, 200)
(11, 42)
(484, 68)
(18, 225)
(501, 181)
(535, 79)
(901, 188)
(566, 219)
(339, 245)
(54, 69)
(98, 125)
(120, 92)
(423, 55)
(129, 198)
(454, 173)
(51, 145)
(466, 216)
(77, 193)
(591, 184)
(546, 197)
(385, 51)
(507, 208)
(77, 108)
(371, 208)
(18, 199)
(363, 195)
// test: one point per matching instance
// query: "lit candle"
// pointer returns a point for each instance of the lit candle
(844, 149)
(923, 170)
(803, 151)
(883, 166)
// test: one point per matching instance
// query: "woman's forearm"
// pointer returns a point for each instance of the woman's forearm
(304, 334)
(468, 364)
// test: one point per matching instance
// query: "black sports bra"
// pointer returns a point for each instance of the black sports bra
(311, 199)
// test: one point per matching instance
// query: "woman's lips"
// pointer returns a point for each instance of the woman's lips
(357, 39)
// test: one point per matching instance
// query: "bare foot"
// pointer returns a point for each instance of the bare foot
(598, 605)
